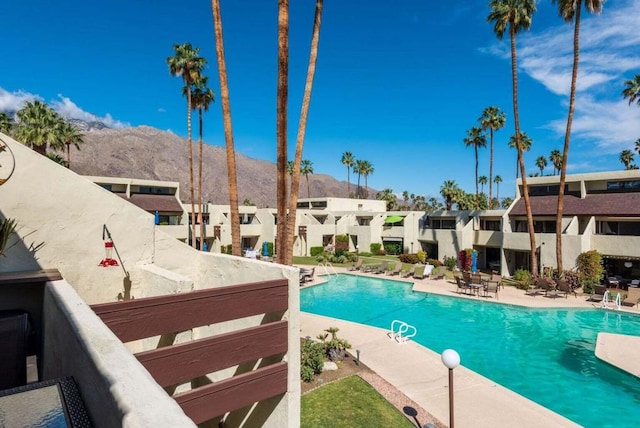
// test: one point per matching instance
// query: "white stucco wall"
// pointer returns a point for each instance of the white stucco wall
(60, 219)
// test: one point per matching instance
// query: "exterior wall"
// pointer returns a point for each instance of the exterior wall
(348, 204)
(61, 227)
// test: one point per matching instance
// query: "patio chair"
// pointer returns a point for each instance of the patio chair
(382, 267)
(633, 297)
(548, 286)
(439, 274)
(396, 269)
(418, 273)
(491, 286)
(306, 275)
(408, 273)
(356, 266)
(563, 287)
(461, 284)
(597, 294)
(534, 289)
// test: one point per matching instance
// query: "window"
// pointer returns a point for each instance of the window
(628, 228)
(490, 225)
(318, 204)
(437, 223)
(109, 187)
(364, 221)
(623, 186)
(155, 190)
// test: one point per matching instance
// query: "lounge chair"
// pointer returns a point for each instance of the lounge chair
(597, 294)
(439, 273)
(306, 275)
(564, 288)
(408, 273)
(534, 288)
(633, 297)
(491, 286)
(356, 266)
(382, 267)
(548, 286)
(396, 269)
(418, 273)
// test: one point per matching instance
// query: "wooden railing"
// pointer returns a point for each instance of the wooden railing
(171, 365)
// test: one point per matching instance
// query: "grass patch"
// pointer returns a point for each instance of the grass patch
(350, 402)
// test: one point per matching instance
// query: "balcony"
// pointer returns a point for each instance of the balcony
(119, 388)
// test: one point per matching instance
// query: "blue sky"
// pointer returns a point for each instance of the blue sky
(397, 83)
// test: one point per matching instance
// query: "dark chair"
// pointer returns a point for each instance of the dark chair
(491, 286)
(564, 288)
(14, 340)
(597, 294)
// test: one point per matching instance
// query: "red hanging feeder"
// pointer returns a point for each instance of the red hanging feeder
(108, 253)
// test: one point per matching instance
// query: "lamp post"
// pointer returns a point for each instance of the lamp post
(451, 360)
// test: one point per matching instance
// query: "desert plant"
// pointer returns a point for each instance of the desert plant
(589, 266)
(450, 262)
(342, 242)
(465, 257)
(7, 227)
(311, 359)
(438, 263)
(523, 278)
(334, 348)
(422, 256)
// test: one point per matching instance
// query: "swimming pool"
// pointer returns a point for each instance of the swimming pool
(546, 355)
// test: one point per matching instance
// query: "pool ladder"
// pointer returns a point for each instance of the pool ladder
(327, 269)
(401, 332)
(606, 300)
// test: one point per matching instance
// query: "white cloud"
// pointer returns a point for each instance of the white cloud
(69, 110)
(610, 126)
(14, 101)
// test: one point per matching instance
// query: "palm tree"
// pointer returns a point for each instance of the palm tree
(638, 145)
(482, 180)
(449, 191)
(302, 126)
(556, 160)
(525, 143)
(37, 126)
(492, 119)
(228, 129)
(517, 15)
(497, 180)
(348, 160)
(475, 138)
(5, 123)
(367, 170)
(632, 90)
(306, 168)
(201, 97)
(541, 163)
(626, 157)
(568, 9)
(389, 197)
(70, 134)
(187, 64)
(359, 168)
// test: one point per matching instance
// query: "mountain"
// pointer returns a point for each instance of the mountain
(149, 153)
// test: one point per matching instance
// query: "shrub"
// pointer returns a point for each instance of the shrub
(228, 250)
(393, 248)
(422, 256)
(316, 251)
(438, 263)
(342, 242)
(450, 262)
(341, 257)
(409, 258)
(523, 278)
(269, 249)
(465, 257)
(365, 254)
(375, 247)
(589, 266)
(311, 359)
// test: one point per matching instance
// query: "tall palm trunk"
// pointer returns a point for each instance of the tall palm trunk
(281, 129)
(200, 183)
(348, 182)
(516, 118)
(302, 126)
(567, 136)
(366, 186)
(491, 168)
(190, 154)
(475, 149)
(228, 130)
(68, 155)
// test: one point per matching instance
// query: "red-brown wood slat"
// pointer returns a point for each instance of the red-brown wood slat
(153, 316)
(218, 398)
(26, 277)
(181, 363)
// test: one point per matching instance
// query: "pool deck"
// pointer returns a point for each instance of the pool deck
(479, 402)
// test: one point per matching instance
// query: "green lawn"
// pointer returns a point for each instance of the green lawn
(299, 260)
(350, 402)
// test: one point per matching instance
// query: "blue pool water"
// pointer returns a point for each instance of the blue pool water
(546, 355)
